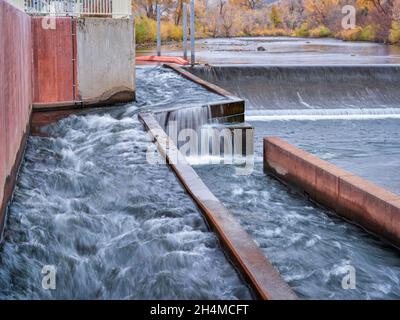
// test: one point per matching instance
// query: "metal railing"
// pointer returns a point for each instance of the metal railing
(91, 8)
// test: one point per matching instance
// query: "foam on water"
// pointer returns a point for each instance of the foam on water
(311, 247)
(114, 226)
(88, 202)
(323, 114)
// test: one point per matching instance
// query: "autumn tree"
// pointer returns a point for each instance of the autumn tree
(384, 7)
(249, 4)
(379, 15)
(376, 19)
(320, 10)
(275, 17)
(292, 12)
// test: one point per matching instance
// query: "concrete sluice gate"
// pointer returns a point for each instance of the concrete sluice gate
(88, 201)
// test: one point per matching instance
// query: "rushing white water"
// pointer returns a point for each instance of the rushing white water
(309, 87)
(89, 203)
(323, 114)
(114, 226)
(185, 118)
(312, 248)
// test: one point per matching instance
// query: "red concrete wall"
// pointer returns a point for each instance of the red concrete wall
(354, 198)
(15, 86)
(53, 54)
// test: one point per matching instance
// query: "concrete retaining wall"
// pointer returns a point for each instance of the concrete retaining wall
(106, 59)
(15, 95)
(350, 196)
(53, 61)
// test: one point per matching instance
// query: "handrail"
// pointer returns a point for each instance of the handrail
(91, 8)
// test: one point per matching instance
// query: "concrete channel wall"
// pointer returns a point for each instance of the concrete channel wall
(106, 60)
(352, 197)
(15, 95)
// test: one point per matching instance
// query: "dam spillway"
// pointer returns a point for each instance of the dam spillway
(312, 87)
(360, 102)
(101, 155)
(346, 114)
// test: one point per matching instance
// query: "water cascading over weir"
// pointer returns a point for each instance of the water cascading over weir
(313, 90)
(347, 115)
(88, 201)
(74, 84)
(321, 93)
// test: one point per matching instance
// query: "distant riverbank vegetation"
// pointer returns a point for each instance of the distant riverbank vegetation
(376, 20)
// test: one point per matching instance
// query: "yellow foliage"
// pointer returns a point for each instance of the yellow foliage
(351, 34)
(302, 31)
(320, 32)
(171, 32)
(256, 18)
(146, 30)
(394, 36)
(270, 32)
(367, 33)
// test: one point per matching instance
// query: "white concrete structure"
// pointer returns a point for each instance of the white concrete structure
(106, 59)
(20, 4)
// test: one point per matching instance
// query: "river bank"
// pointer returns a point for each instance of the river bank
(282, 50)
(178, 43)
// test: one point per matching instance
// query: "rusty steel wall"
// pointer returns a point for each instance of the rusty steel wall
(54, 56)
(16, 93)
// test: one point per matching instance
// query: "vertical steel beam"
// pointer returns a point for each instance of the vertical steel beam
(184, 12)
(158, 30)
(192, 33)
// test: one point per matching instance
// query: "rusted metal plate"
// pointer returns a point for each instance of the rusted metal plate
(54, 51)
(161, 59)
